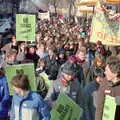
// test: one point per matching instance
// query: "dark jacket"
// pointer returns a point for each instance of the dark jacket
(90, 100)
(106, 88)
(90, 76)
(32, 57)
(4, 97)
(52, 67)
(75, 68)
(73, 90)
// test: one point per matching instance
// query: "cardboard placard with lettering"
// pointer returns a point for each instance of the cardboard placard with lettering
(103, 29)
(66, 109)
(27, 69)
(25, 27)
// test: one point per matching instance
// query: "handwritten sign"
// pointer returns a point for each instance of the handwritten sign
(66, 109)
(27, 69)
(44, 78)
(104, 30)
(109, 108)
(44, 16)
(25, 27)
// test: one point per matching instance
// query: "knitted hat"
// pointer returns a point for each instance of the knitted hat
(61, 51)
(69, 68)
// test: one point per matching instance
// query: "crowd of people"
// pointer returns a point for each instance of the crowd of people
(84, 71)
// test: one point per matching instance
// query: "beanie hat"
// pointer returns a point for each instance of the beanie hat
(61, 51)
(69, 68)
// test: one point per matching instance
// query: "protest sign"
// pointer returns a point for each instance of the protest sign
(109, 108)
(27, 69)
(25, 27)
(44, 77)
(66, 109)
(103, 29)
(44, 16)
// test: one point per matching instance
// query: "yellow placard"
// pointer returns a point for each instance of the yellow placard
(103, 29)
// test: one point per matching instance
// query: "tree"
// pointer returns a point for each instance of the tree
(55, 3)
(72, 8)
(15, 6)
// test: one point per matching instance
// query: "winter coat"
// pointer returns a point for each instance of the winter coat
(73, 90)
(90, 75)
(90, 100)
(4, 97)
(52, 68)
(107, 88)
(30, 107)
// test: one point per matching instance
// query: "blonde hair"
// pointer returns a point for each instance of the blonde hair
(81, 49)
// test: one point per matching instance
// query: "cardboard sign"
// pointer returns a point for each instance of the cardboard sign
(44, 77)
(25, 27)
(66, 109)
(27, 69)
(103, 29)
(44, 16)
(109, 108)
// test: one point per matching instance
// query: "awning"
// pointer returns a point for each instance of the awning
(93, 2)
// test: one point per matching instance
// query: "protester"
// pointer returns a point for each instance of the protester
(41, 51)
(111, 86)
(31, 55)
(41, 66)
(25, 103)
(5, 100)
(90, 94)
(52, 64)
(11, 45)
(61, 56)
(98, 64)
(100, 49)
(21, 52)
(81, 57)
(66, 83)
(10, 58)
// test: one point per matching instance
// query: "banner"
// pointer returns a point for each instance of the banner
(66, 109)
(25, 27)
(27, 69)
(44, 16)
(109, 108)
(103, 29)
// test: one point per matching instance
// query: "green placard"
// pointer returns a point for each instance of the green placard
(25, 27)
(109, 108)
(27, 69)
(44, 77)
(66, 109)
